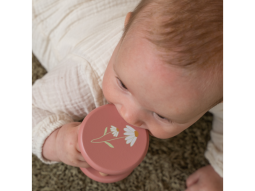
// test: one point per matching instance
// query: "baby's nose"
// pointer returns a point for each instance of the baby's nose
(131, 116)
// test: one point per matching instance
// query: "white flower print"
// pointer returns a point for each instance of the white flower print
(115, 131)
(132, 135)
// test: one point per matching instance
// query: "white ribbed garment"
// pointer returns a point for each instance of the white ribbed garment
(74, 41)
(214, 152)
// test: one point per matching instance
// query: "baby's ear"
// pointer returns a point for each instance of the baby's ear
(127, 18)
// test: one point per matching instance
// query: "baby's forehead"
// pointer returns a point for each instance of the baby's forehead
(136, 50)
(136, 54)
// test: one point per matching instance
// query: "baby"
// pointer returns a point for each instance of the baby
(164, 74)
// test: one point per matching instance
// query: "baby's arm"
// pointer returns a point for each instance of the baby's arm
(210, 178)
(45, 123)
(64, 95)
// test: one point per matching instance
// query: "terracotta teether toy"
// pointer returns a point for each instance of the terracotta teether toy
(110, 145)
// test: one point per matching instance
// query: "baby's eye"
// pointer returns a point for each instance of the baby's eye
(121, 84)
(160, 117)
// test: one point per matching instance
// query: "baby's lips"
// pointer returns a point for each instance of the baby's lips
(103, 174)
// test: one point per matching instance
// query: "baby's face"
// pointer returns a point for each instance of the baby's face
(150, 94)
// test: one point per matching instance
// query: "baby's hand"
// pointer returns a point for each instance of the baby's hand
(204, 179)
(67, 147)
(62, 145)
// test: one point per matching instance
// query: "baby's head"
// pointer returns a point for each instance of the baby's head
(167, 70)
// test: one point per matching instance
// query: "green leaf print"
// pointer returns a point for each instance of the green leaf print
(105, 131)
(109, 144)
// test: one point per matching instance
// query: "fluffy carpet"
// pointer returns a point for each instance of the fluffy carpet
(165, 168)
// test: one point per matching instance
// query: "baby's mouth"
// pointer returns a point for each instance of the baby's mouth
(134, 125)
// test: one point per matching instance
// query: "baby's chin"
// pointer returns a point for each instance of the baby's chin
(155, 136)
(159, 137)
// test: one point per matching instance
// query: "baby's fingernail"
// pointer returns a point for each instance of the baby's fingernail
(102, 174)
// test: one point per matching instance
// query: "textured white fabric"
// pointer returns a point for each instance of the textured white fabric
(214, 152)
(74, 40)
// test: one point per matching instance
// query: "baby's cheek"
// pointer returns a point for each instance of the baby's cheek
(107, 95)
(109, 92)
(106, 87)
(161, 134)
(166, 132)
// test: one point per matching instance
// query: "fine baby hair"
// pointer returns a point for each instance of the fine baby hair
(185, 33)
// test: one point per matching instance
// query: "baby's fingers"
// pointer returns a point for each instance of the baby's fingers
(194, 187)
(82, 164)
(103, 174)
(192, 179)
(81, 161)
(80, 157)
